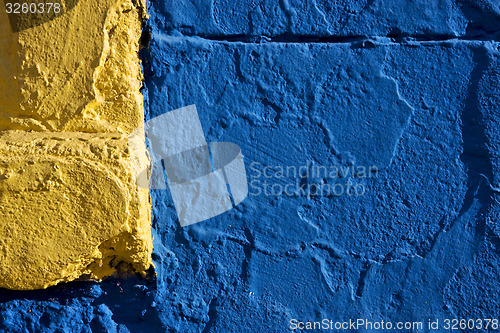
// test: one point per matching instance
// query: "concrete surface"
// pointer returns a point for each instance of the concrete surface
(410, 87)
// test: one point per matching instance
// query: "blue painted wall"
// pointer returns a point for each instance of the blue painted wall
(411, 87)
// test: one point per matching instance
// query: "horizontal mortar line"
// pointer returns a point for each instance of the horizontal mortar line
(306, 39)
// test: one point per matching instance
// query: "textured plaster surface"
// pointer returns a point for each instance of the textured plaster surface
(69, 98)
(362, 83)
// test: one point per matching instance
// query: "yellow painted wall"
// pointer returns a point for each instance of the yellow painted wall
(69, 99)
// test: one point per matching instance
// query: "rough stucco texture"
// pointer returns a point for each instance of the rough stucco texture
(69, 99)
(295, 83)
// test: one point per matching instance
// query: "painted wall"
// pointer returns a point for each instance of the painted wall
(409, 87)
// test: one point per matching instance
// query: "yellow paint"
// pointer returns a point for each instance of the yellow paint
(69, 99)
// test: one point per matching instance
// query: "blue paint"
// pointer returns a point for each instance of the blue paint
(295, 84)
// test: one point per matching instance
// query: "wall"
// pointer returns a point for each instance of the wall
(408, 86)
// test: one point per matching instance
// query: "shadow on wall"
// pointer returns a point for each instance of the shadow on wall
(114, 305)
